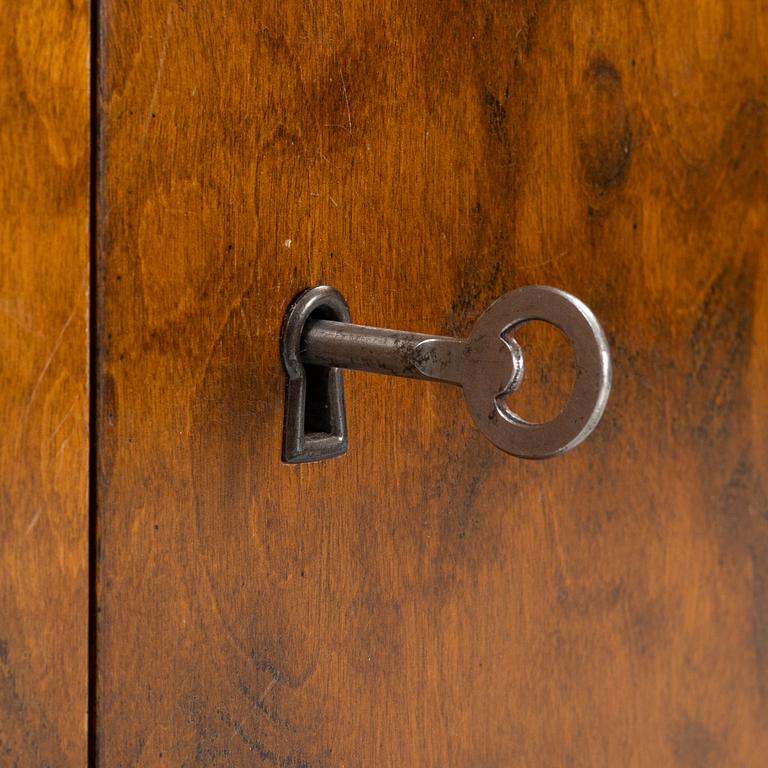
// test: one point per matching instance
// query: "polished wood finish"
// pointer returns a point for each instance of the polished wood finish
(427, 600)
(44, 167)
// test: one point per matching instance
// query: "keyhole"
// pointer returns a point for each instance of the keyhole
(319, 416)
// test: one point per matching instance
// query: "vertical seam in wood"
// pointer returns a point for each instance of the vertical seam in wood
(93, 375)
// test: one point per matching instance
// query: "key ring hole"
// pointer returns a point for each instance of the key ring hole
(550, 372)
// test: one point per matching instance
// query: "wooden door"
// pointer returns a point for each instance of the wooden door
(427, 600)
(44, 236)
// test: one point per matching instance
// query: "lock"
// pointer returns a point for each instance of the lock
(318, 340)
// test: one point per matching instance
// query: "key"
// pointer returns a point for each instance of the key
(488, 364)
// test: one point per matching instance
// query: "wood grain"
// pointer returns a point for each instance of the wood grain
(426, 600)
(44, 169)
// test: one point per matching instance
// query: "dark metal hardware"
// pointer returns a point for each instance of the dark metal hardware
(319, 339)
(315, 425)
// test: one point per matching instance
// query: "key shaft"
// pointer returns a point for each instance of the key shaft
(330, 343)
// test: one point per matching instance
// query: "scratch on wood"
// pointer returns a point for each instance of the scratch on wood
(158, 75)
(270, 685)
(61, 448)
(545, 262)
(48, 362)
(61, 423)
(346, 101)
(33, 521)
